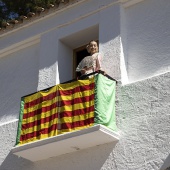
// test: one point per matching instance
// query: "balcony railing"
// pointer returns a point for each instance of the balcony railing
(67, 114)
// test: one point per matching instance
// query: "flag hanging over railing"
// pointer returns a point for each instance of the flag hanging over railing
(66, 108)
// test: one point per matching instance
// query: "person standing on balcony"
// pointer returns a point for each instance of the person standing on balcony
(90, 63)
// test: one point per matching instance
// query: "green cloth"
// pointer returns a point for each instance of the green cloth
(105, 102)
(20, 120)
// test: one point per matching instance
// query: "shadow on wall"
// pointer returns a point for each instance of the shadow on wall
(109, 41)
(166, 165)
(13, 162)
(88, 159)
(18, 77)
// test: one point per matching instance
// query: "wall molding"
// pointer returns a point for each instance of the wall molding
(19, 46)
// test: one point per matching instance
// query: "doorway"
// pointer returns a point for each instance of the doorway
(78, 55)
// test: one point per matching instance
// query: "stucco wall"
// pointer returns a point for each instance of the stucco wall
(142, 108)
(56, 59)
(146, 38)
(144, 129)
(48, 62)
(143, 117)
(18, 77)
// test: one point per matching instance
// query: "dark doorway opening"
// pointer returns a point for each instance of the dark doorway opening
(79, 54)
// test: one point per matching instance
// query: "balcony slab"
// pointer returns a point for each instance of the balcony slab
(66, 143)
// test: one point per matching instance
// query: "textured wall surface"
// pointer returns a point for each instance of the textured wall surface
(143, 119)
(56, 49)
(142, 108)
(146, 38)
(109, 36)
(18, 77)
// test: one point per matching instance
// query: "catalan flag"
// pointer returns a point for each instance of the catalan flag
(66, 108)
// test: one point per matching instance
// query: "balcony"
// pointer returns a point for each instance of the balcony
(67, 118)
(66, 143)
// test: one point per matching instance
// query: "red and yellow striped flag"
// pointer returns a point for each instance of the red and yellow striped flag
(62, 108)
(66, 108)
(76, 106)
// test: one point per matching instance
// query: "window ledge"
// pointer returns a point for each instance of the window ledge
(66, 143)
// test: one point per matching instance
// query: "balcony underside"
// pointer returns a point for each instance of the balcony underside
(66, 143)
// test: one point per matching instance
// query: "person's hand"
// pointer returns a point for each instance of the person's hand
(104, 73)
(83, 71)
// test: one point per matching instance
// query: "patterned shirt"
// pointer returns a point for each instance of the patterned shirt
(91, 63)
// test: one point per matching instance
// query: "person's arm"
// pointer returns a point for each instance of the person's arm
(82, 68)
(99, 62)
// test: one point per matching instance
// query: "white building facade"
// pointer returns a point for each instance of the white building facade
(134, 37)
